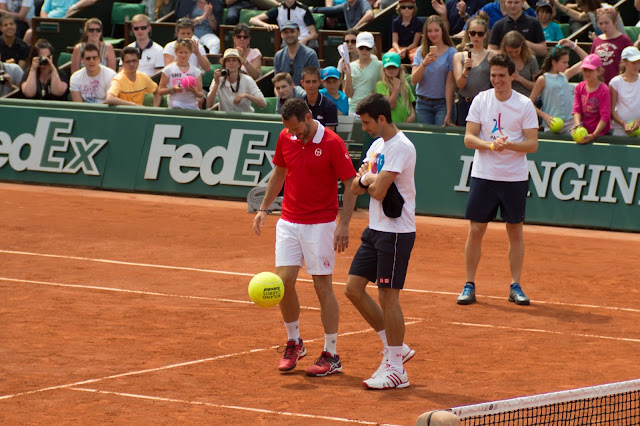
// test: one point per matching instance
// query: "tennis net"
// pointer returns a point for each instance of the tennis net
(611, 404)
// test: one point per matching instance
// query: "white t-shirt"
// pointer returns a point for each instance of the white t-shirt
(628, 105)
(193, 59)
(226, 94)
(184, 99)
(92, 89)
(396, 155)
(509, 117)
(150, 59)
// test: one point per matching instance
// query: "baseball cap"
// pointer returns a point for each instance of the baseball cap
(391, 59)
(591, 62)
(631, 54)
(289, 24)
(544, 3)
(365, 39)
(329, 72)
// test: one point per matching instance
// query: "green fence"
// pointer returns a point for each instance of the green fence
(211, 154)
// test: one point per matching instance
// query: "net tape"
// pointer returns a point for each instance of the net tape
(610, 404)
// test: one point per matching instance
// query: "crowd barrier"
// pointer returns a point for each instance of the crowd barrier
(204, 153)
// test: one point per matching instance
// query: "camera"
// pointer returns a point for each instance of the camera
(224, 72)
(3, 79)
(43, 60)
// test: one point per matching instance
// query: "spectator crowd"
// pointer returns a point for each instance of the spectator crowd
(434, 68)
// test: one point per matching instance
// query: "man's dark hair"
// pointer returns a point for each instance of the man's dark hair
(375, 105)
(5, 17)
(130, 50)
(295, 107)
(90, 47)
(311, 70)
(503, 60)
(184, 23)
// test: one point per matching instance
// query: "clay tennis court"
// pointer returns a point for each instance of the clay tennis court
(131, 309)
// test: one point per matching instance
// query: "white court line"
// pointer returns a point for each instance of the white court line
(233, 407)
(171, 366)
(244, 274)
(537, 330)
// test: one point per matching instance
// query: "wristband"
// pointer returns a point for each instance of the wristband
(362, 185)
(171, 90)
(263, 210)
(491, 146)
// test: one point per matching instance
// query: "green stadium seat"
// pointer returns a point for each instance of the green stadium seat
(121, 12)
(566, 31)
(265, 69)
(319, 20)
(246, 14)
(270, 108)
(148, 100)
(207, 77)
(63, 58)
(632, 32)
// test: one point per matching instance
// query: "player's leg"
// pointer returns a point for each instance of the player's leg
(482, 207)
(319, 255)
(288, 262)
(512, 209)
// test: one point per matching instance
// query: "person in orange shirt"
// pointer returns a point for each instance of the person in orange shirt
(130, 85)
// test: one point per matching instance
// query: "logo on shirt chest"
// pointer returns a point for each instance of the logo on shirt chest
(318, 152)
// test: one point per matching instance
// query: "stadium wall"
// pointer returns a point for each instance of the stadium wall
(202, 153)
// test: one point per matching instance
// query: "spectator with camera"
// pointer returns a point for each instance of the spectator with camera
(198, 58)
(91, 83)
(235, 89)
(12, 48)
(10, 77)
(129, 86)
(44, 81)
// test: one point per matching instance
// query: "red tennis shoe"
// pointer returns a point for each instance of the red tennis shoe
(292, 353)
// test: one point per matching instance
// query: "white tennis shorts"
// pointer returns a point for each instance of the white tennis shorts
(312, 244)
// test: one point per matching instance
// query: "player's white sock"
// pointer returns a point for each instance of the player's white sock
(330, 343)
(293, 330)
(395, 358)
(383, 336)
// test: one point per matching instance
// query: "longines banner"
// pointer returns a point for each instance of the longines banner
(210, 155)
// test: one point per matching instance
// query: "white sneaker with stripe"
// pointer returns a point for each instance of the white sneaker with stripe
(388, 379)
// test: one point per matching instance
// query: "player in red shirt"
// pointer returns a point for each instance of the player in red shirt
(312, 159)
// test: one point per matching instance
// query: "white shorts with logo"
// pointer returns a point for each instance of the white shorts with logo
(313, 244)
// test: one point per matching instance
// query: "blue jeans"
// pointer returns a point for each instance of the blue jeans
(431, 112)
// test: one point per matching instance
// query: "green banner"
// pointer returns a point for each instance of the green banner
(211, 154)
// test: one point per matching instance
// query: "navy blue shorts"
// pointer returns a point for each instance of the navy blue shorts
(485, 196)
(383, 257)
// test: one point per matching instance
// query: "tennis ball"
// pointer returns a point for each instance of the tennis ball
(556, 124)
(266, 289)
(188, 81)
(635, 133)
(579, 133)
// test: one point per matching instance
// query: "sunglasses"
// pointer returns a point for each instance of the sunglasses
(131, 61)
(90, 58)
(476, 33)
(407, 7)
(241, 36)
(140, 28)
(94, 30)
(350, 41)
(364, 48)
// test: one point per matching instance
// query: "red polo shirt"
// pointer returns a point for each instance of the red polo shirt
(313, 170)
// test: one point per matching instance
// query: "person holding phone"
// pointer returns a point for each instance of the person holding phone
(432, 73)
(471, 66)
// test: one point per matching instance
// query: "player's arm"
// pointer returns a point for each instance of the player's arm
(530, 143)
(471, 138)
(276, 181)
(378, 184)
(341, 236)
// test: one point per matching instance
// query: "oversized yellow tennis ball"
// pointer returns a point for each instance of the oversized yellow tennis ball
(635, 133)
(556, 124)
(266, 289)
(579, 134)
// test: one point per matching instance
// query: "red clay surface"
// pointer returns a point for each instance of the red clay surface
(122, 308)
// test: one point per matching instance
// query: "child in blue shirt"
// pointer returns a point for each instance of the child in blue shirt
(551, 30)
(331, 83)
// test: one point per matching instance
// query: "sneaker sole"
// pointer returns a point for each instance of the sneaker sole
(294, 365)
(466, 301)
(521, 303)
(328, 373)
(408, 357)
(400, 386)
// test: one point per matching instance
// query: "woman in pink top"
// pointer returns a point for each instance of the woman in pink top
(592, 100)
(608, 45)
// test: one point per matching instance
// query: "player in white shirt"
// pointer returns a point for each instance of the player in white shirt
(387, 175)
(502, 127)
(91, 83)
(151, 53)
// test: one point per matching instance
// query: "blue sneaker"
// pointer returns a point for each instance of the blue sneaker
(468, 295)
(517, 296)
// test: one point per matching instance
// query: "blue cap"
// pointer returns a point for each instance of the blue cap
(329, 72)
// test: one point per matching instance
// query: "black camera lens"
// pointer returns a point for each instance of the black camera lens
(224, 73)
(42, 59)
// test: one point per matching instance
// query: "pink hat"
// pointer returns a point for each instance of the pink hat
(591, 62)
